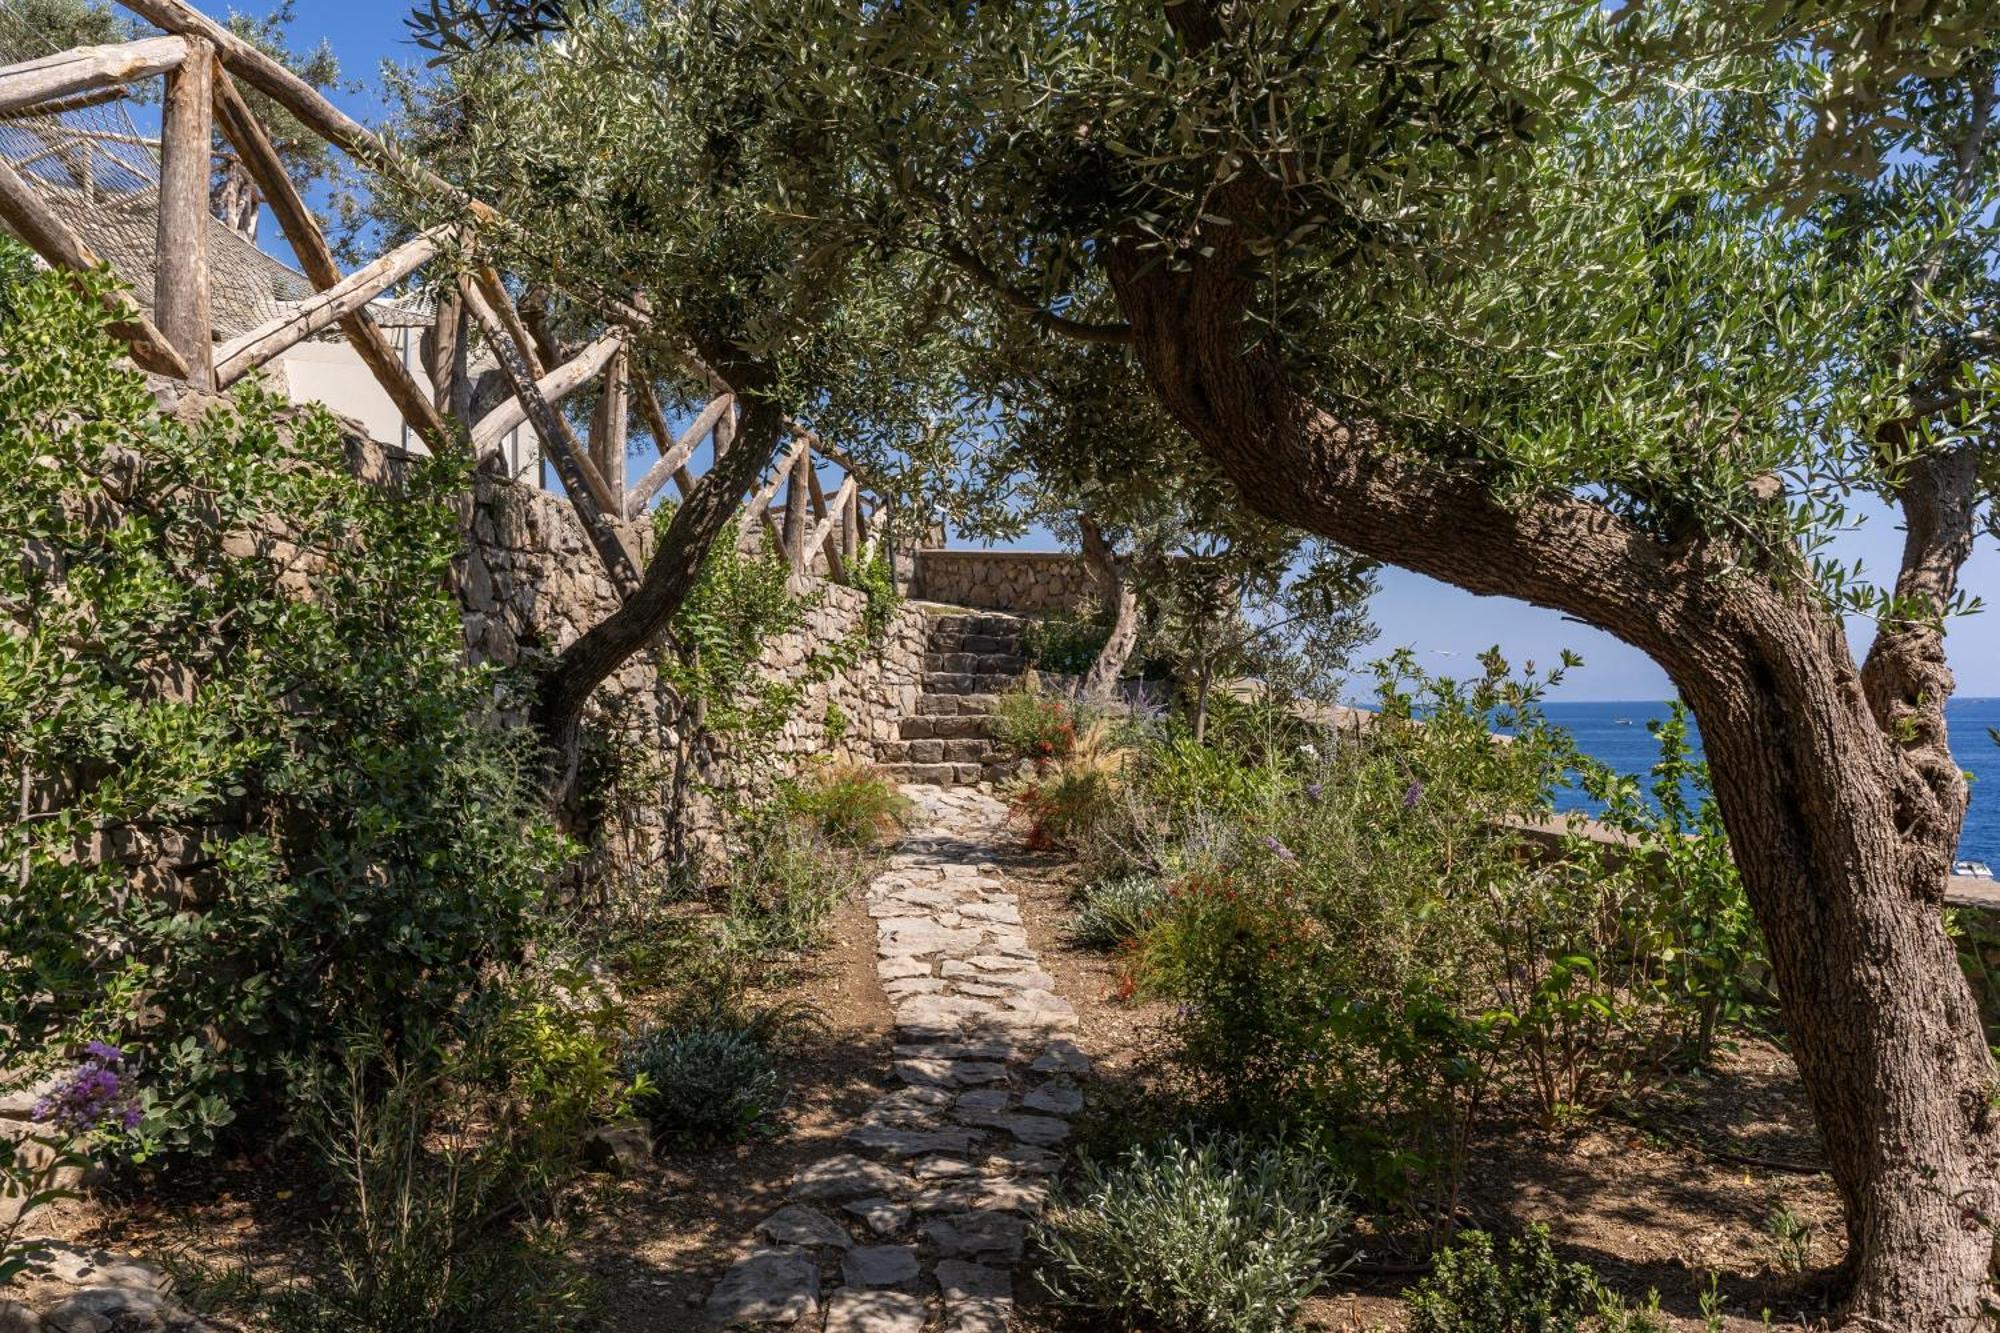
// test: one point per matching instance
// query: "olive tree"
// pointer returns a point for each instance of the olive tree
(1546, 302)
(642, 157)
(1453, 285)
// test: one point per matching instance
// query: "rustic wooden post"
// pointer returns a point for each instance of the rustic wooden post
(585, 488)
(316, 259)
(451, 378)
(608, 426)
(180, 251)
(850, 527)
(796, 508)
(823, 527)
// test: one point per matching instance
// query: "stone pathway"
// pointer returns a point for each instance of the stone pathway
(919, 1220)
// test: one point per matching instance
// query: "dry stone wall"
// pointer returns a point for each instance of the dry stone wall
(530, 585)
(1023, 582)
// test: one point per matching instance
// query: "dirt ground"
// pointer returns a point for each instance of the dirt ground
(1670, 1205)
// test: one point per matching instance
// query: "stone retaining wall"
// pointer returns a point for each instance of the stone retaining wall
(530, 585)
(1023, 582)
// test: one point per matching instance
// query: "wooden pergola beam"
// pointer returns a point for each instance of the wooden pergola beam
(554, 386)
(50, 237)
(673, 460)
(315, 257)
(244, 354)
(86, 69)
(585, 488)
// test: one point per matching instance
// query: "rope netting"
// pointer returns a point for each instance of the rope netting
(95, 160)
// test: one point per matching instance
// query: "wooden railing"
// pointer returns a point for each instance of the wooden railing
(200, 63)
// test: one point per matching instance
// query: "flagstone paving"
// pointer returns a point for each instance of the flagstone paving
(920, 1218)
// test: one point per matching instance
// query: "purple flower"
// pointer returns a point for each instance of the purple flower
(1413, 794)
(91, 1095)
(1279, 850)
(1314, 791)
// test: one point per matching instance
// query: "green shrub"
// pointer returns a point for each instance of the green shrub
(852, 806)
(1519, 1286)
(711, 1074)
(1210, 1236)
(419, 1183)
(1113, 911)
(784, 884)
(740, 602)
(1066, 644)
(1034, 725)
(298, 814)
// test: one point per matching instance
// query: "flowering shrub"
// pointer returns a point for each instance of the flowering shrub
(91, 1096)
(94, 1097)
(1036, 726)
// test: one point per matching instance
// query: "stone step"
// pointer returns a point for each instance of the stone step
(992, 664)
(967, 726)
(956, 705)
(930, 751)
(954, 682)
(936, 775)
(959, 625)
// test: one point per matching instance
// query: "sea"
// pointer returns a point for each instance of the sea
(1615, 735)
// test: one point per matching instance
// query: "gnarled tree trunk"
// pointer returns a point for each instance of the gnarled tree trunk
(1116, 592)
(707, 513)
(1835, 782)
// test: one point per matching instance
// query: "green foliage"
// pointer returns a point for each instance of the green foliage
(1112, 911)
(1066, 644)
(417, 1185)
(834, 724)
(740, 601)
(876, 579)
(1519, 1286)
(1034, 725)
(852, 806)
(1202, 1235)
(1709, 950)
(711, 1073)
(1061, 808)
(784, 881)
(235, 682)
(1356, 945)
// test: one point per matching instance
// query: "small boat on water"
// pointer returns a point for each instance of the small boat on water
(1972, 869)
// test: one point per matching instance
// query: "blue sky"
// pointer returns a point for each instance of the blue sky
(1446, 626)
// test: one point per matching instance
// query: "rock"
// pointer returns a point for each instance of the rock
(846, 1176)
(623, 1148)
(18, 1318)
(1061, 1057)
(971, 1234)
(796, 1224)
(883, 1217)
(879, 1265)
(1057, 1097)
(977, 1299)
(1025, 1161)
(773, 1286)
(852, 1311)
(79, 1267)
(896, 969)
(984, 1099)
(118, 1310)
(940, 1168)
(911, 1142)
(978, 1071)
